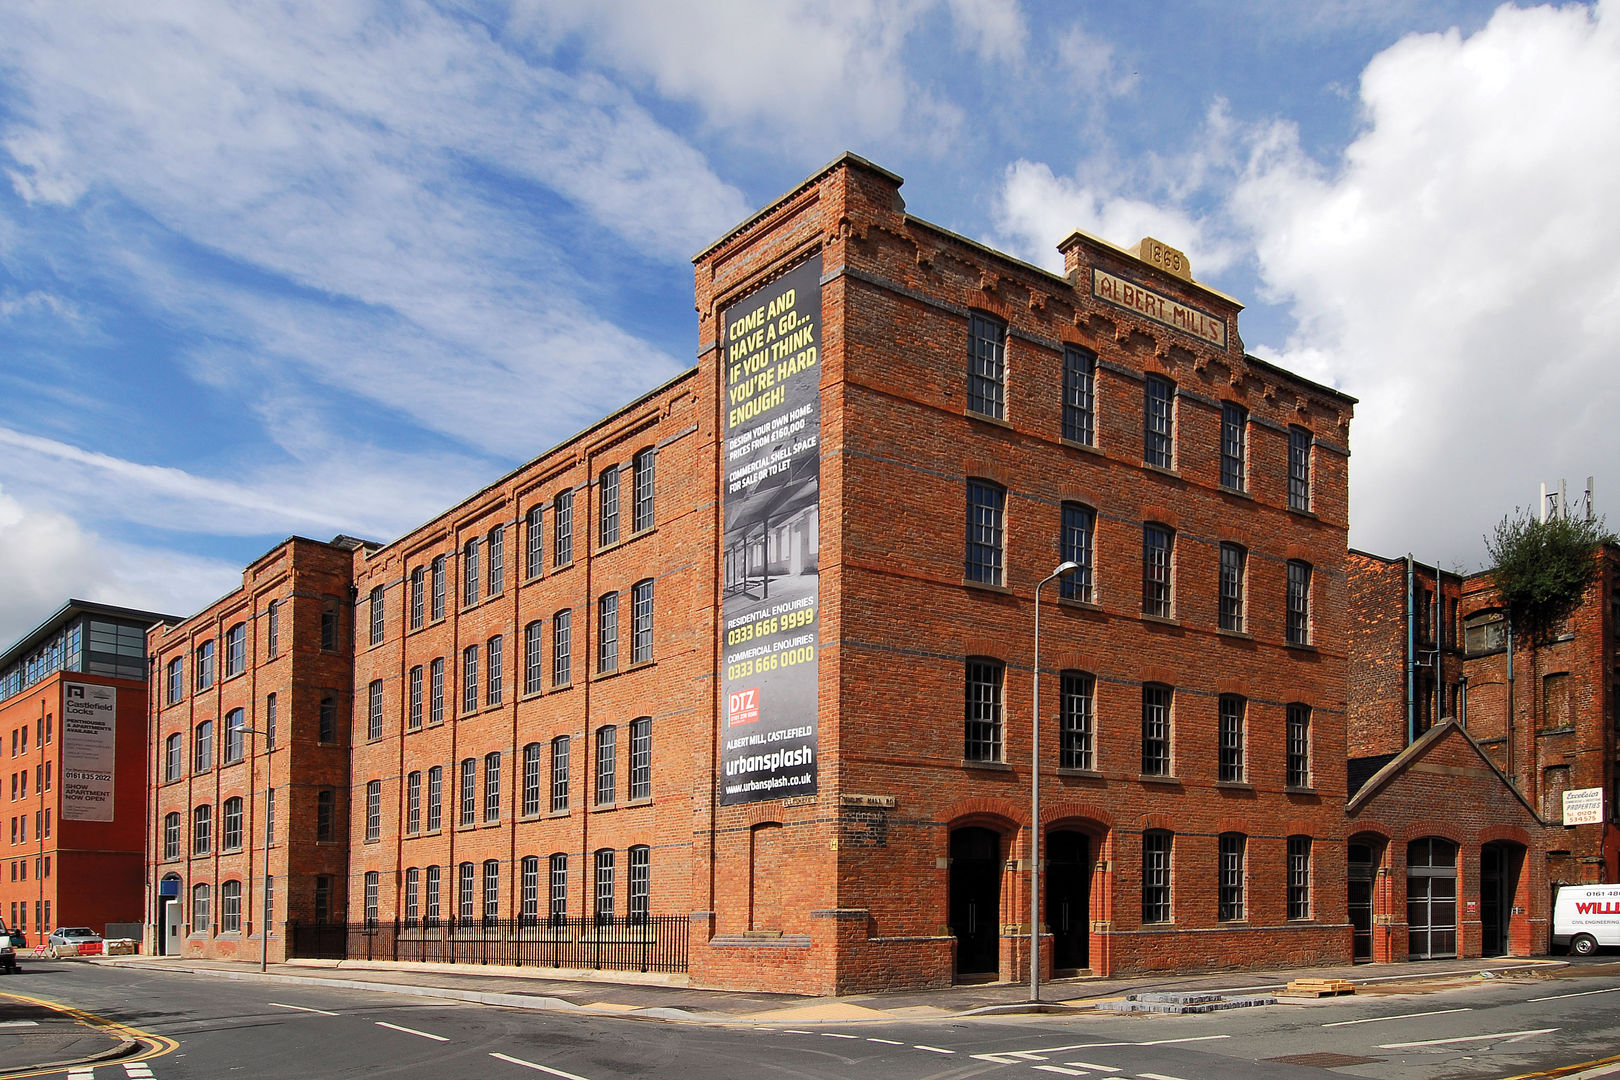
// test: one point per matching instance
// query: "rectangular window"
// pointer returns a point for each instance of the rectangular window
(205, 665)
(531, 780)
(1298, 739)
(325, 812)
(534, 542)
(1076, 731)
(1156, 722)
(177, 680)
(1076, 545)
(467, 897)
(641, 758)
(469, 573)
(1156, 876)
(559, 774)
(235, 650)
(469, 679)
(1079, 395)
(492, 892)
(202, 824)
(373, 810)
(235, 740)
(413, 803)
(641, 622)
(269, 816)
(562, 639)
(607, 739)
(492, 787)
(642, 467)
(1234, 569)
(373, 885)
(434, 878)
(640, 884)
(469, 791)
(326, 720)
(272, 633)
(1234, 446)
(607, 633)
(987, 367)
(982, 728)
(1230, 736)
(1299, 877)
(609, 521)
(202, 747)
(378, 616)
(529, 912)
(435, 817)
(374, 710)
(562, 530)
(416, 599)
(1158, 547)
(493, 678)
(985, 502)
(230, 907)
(413, 895)
(557, 872)
(1159, 423)
(497, 560)
(533, 657)
(415, 721)
(604, 887)
(329, 627)
(436, 691)
(438, 588)
(1299, 469)
(1298, 628)
(1229, 899)
(171, 837)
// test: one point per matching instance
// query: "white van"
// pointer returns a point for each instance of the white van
(1585, 917)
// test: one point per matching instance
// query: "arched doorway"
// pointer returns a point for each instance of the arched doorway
(170, 916)
(975, 900)
(1068, 898)
(1366, 852)
(1499, 866)
(1431, 899)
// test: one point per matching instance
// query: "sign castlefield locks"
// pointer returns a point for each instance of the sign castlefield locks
(89, 751)
(770, 605)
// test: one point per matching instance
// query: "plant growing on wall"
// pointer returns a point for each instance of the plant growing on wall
(1543, 568)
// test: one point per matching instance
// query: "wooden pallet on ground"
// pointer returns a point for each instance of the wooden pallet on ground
(1320, 987)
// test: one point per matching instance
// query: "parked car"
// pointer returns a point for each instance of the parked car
(8, 956)
(1586, 918)
(19, 940)
(72, 940)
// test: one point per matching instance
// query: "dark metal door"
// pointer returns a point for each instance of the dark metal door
(1361, 901)
(975, 900)
(1068, 899)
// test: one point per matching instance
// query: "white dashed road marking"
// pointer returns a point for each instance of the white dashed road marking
(1089, 1065)
(1402, 1016)
(1469, 1038)
(412, 1031)
(1157, 1076)
(1583, 993)
(836, 1035)
(932, 1049)
(1060, 1069)
(302, 1008)
(537, 1068)
(885, 1042)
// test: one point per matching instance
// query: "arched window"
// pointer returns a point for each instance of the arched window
(171, 835)
(202, 824)
(202, 747)
(230, 826)
(199, 909)
(230, 907)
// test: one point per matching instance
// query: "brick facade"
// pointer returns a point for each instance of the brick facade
(909, 865)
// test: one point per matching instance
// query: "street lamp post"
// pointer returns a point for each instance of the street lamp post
(264, 914)
(1062, 570)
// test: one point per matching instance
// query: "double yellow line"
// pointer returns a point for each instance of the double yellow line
(151, 1045)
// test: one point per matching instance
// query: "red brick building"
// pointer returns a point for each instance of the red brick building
(73, 734)
(1527, 722)
(755, 651)
(249, 729)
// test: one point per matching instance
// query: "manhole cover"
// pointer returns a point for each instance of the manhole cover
(1324, 1060)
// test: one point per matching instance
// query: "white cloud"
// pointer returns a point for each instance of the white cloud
(52, 557)
(1456, 271)
(806, 74)
(1089, 62)
(1036, 209)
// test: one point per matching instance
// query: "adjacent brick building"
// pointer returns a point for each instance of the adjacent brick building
(73, 736)
(755, 651)
(1506, 728)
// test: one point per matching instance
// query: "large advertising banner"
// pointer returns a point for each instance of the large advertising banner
(89, 751)
(769, 608)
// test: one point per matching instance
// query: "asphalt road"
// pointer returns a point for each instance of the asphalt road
(226, 1028)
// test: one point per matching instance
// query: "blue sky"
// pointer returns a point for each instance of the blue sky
(329, 267)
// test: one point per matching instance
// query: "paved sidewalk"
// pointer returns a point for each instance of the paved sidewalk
(35, 1036)
(668, 998)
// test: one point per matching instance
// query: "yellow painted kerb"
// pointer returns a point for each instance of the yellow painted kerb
(152, 1045)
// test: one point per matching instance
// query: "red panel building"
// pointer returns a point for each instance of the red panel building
(73, 736)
